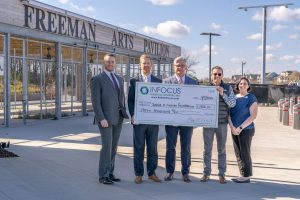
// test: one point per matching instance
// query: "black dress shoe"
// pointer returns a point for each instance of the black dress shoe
(186, 178)
(113, 178)
(106, 181)
(169, 177)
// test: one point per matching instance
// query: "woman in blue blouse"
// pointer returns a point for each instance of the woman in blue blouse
(242, 128)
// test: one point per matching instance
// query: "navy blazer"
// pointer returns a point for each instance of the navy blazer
(131, 92)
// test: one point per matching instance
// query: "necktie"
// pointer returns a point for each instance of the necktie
(145, 79)
(180, 80)
(115, 82)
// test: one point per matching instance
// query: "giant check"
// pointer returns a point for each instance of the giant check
(174, 104)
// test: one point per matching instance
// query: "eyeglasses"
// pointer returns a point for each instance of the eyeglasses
(215, 74)
(181, 66)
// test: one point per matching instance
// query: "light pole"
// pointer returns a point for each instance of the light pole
(210, 34)
(243, 63)
(264, 31)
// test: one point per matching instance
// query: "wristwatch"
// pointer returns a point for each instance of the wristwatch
(241, 127)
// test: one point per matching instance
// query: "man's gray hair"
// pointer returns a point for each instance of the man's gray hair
(179, 58)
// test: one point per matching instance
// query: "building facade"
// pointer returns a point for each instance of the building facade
(48, 55)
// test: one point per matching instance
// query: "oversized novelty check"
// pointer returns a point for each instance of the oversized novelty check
(174, 104)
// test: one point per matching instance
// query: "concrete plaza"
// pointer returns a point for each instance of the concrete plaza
(59, 161)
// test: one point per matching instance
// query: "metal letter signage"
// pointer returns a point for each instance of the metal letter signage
(36, 18)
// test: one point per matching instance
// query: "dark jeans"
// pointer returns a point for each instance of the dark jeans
(242, 149)
(145, 133)
(185, 143)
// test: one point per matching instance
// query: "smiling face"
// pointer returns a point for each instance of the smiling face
(243, 86)
(109, 63)
(217, 76)
(146, 65)
(180, 68)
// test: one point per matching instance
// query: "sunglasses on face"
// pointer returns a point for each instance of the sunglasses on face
(215, 74)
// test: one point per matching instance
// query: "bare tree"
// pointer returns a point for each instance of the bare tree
(191, 60)
(295, 76)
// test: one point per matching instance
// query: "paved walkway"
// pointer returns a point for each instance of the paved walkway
(59, 161)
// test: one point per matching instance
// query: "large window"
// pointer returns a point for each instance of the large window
(71, 80)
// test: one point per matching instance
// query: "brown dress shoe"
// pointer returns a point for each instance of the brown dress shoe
(138, 179)
(186, 178)
(169, 177)
(204, 178)
(222, 179)
(154, 178)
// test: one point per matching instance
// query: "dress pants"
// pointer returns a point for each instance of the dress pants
(110, 139)
(144, 133)
(185, 133)
(208, 138)
(242, 149)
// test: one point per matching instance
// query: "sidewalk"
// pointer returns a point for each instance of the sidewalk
(59, 161)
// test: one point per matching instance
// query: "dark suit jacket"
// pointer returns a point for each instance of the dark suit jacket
(106, 100)
(131, 92)
(188, 80)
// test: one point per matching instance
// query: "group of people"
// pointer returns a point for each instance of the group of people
(108, 99)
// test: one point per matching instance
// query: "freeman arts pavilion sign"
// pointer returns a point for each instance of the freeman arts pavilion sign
(58, 23)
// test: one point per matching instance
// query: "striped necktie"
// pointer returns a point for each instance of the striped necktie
(115, 82)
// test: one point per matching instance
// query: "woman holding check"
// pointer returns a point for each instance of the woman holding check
(242, 128)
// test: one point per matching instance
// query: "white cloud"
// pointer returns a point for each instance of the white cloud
(80, 8)
(293, 36)
(237, 60)
(269, 57)
(257, 17)
(284, 14)
(173, 29)
(271, 47)
(287, 58)
(279, 14)
(256, 36)
(164, 2)
(205, 49)
(278, 27)
(297, 60)
(149, 30)
(63, 1)
(297, 27)
(225, 32)
(215, 26)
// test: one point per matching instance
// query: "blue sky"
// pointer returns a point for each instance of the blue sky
(181, 21)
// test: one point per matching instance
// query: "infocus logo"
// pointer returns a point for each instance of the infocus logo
(144, 90)
(165, 90)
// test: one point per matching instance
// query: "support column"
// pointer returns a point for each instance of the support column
(58, 81)
(7, 80)
(25, 83)
(84, 82)
(158, 68)
(128, 72)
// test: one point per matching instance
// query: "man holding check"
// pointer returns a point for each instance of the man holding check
(185, 132)
(143, 132)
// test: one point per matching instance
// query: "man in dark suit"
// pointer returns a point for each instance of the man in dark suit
(185, 132)
(143, 132)
(107, 94)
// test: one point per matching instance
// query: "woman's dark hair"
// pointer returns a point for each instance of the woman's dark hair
(236, 88)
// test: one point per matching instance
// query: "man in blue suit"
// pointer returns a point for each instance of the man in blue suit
(185, 132)
(143, 132)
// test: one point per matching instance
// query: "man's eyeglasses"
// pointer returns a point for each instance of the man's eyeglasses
(215, 74)
(181, 66)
